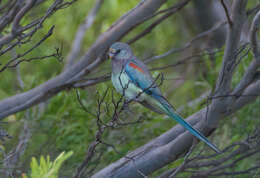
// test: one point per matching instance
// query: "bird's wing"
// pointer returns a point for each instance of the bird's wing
(141, 77)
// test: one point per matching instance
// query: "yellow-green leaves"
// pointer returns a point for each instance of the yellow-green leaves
(47, 168)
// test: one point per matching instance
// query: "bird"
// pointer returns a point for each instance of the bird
(131, 78)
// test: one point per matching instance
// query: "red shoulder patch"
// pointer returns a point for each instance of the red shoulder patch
(136, 67)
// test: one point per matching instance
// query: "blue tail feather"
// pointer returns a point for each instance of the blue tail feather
(169, 110)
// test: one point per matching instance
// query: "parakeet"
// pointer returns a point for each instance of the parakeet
(132, 78)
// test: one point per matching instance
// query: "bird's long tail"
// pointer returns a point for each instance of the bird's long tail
(170, 112)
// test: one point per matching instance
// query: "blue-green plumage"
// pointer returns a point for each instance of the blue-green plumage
(132, 78)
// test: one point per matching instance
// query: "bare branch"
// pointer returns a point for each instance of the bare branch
(10, 64)
(223, 85)
(254, 65)
(254, 36)
(16, 23)
(188, 59)
(82, 105)
(37, 24)
(226, 12)
(253, 10)
(13, 9)
(252, 91)
(189, 43)
(217, 165)
(172, 11)
(91, 81)
(232, 44)
(182, 166)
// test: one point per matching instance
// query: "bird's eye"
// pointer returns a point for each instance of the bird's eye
(118, 51)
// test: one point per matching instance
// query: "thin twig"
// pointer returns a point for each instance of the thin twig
(226, 12)
(189, 43)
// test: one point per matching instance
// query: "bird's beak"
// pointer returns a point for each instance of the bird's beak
(111, 53)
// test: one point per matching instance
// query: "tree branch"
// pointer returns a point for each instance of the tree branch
(16, 23)
(189, 43)
(223, 85)
(254, 65)
(232, 45)
(172, 11)
(226, 12)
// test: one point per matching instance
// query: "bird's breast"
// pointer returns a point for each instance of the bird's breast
(123, 85)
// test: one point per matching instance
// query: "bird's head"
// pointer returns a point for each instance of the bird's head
(120, 51)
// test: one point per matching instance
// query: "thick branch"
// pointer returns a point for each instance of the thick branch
(21, 14)
(232, 45)
(223, 86)
(252, 69)
(253, 35)
(10, 14)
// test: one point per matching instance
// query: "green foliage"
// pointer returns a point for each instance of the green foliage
(46, 168)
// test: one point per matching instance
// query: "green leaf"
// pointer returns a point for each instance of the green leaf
(47, 168)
